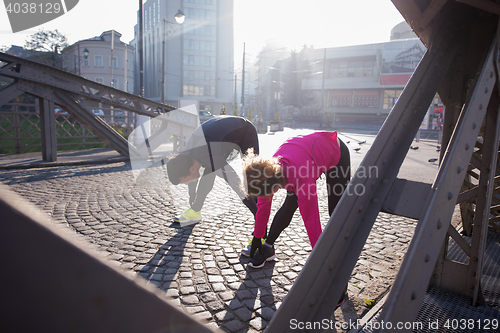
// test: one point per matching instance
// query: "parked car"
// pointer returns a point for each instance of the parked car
(98, 112)
(60, 112)
(205, 115)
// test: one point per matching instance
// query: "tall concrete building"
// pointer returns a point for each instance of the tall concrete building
(189, 61)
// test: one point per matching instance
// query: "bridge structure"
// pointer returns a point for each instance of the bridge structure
(446, 266)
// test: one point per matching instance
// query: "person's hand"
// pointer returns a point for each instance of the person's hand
(256, 244)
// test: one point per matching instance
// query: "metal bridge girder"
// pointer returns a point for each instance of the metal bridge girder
(321, 281)
(18, 68)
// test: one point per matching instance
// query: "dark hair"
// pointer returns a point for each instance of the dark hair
(178, 167)
(262, 174)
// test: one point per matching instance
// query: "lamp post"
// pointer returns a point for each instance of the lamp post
(78, 59)
(179, 19)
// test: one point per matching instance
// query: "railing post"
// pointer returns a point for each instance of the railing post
(48, 129)
(17, 130)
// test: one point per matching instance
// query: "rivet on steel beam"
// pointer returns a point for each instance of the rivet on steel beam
(374, 200)
(413, 295)
(394, 141)
(467, 147)
(347, 235)
(450, 195)
(474, 125)
(384, 160)
(491, 74)
(373, 183)
(480, 106)
(435, 276)
(331, 266)
(427, 257)
(360, 208)
(474, 259)
(439, 224)
(459, 169)
(473, 273)
(486, 90)
(385, 181)
(312, 301)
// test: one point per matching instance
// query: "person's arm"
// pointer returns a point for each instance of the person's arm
(262, 216)
(231, 177)
(309, 210)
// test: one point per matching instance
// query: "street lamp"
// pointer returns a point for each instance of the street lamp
(179, 18)
(78, 59)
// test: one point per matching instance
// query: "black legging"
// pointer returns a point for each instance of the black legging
(336, 183)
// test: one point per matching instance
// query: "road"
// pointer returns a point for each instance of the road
(416, 166)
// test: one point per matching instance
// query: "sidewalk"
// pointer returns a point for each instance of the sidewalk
(199, 267)
(76, 157)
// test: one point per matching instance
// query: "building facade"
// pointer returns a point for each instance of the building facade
(99, 65)
(189, 61)
(362, 82)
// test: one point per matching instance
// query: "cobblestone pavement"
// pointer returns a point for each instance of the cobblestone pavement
(199, 267)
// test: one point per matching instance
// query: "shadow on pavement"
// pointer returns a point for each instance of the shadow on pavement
(254, 296)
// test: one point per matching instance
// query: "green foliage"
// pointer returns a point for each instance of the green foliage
(235, 110)
(46, 47)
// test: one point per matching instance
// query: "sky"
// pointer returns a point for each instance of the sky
(320, 23)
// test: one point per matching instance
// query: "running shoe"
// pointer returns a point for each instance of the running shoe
(266, 253)
(246, 250)
(188, 217)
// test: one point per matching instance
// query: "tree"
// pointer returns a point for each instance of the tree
(297, 68)
(46, 47)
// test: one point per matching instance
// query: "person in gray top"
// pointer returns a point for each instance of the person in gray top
(209, 147)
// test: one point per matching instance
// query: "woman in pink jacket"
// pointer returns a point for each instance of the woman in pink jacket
(295, 167)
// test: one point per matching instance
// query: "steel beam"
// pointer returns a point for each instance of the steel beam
(95, 124)
(406, 198)
(486, 185)
(9, 93)
(412, 281)
(321, 281)
(48, 130)
(18, 68)
(67, 288)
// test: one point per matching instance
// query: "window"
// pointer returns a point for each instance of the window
(85, 61)
(368, 67)
(149, 19)
(115, 62)
(390, 97)
(98, 61)
(340, 99)
(154, 14)
(114, 83)
(351, 68)
(98, 80)
(365, 98)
